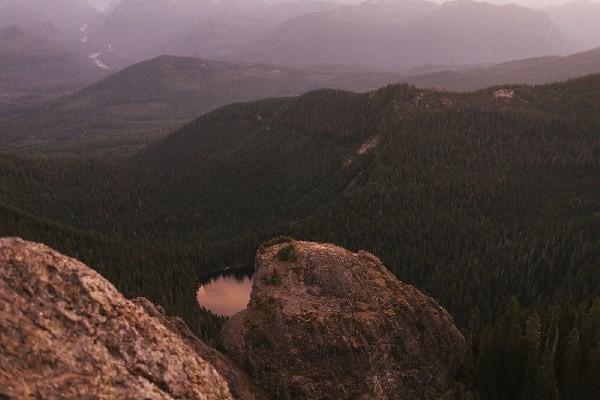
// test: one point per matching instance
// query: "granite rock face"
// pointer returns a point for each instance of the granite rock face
(326, 323)
(322, 323)
(240, 385)
(67, 333)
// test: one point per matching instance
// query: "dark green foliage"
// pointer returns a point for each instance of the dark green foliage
(272, 242)
(473, 199)
(525, 356)
(287, 253)
(274, 279)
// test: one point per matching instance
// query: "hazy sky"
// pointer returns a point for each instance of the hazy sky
(529, 3)
(526, 3)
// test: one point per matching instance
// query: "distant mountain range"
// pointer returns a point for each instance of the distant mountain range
(144, 102)
(459, 46)
(137, 105)
(33, 68)
(580, 19)
(395, 34)
(457, 32)
(530, 71)
(399, 33)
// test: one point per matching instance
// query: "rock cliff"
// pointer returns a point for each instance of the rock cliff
(326, 323)
(322, 323)
(67, 333)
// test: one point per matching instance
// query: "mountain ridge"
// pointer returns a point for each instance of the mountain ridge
(147, 100)
(531, 71)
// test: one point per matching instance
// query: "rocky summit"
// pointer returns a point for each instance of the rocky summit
(322, 323)
(67, 333)
(326, 323)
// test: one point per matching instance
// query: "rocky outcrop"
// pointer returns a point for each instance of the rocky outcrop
(326, 323)
(67, 333)
(241, 387)
(322, 323)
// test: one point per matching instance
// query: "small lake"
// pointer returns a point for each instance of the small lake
(225, 292)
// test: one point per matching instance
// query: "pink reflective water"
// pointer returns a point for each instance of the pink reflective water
(225, 295)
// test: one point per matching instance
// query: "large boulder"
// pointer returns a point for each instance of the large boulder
(67, 333)
(326, 323)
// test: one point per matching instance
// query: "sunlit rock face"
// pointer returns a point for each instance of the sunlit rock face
(66, 332)
(326, 323)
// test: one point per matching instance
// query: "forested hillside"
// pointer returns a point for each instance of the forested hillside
(488, 201)
(144, 102)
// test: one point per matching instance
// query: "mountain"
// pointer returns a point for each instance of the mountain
(33, 69)
(579, 19)
(468, 32)
(67, 17)
(459, 32)
(499, 185)
(125, 28)
(189, 27)
(528, 71)
(223, 32)
(137, 105)
(358, 34)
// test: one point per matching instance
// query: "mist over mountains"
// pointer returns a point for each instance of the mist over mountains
(240, 50)
(382, 33)
(160, 141)
(36, 68)
(398, 33)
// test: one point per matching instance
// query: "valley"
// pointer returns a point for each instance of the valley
(452, 178)
(344, 154)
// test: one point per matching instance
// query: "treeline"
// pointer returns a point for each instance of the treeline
(530, 355)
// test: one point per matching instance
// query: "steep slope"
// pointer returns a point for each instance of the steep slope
(33, 68)
(68, 333)
(349, 159)
(528, 71)
(579, 19)
(499, 186)
(135, 106)
(440, 184)
(460, 32)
